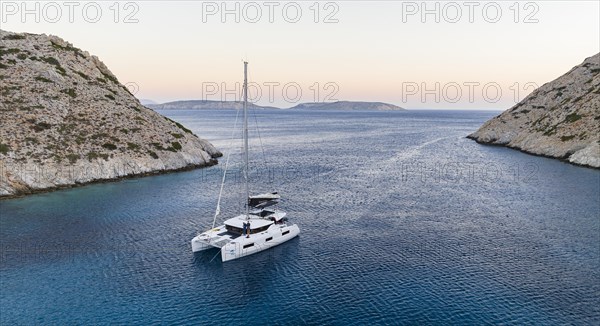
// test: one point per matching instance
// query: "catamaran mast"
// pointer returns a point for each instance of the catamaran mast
(246, 137)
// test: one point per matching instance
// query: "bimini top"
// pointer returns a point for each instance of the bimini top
(271, 195)
(264, 200)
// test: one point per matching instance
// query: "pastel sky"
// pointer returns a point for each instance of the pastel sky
(477, 55)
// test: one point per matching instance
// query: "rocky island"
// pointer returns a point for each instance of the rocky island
(66, 121)
(348, 106)
(206, 105)
(236, 105)
(561, 119)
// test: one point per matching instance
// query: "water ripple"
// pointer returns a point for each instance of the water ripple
(403, 222)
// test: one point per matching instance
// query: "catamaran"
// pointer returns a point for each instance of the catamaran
(260, 227)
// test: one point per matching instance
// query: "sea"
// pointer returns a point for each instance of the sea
(403, 221)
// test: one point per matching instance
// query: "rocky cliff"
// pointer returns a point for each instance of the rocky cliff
(66, 120)
(561, 119)
(349, 106)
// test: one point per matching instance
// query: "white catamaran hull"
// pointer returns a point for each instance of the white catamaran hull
(236, 246)
(242, 246)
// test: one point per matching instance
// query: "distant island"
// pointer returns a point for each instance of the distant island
(348, 106)
(561, 119)
(145, 101)
(235, 105)
(67, 121)
(206, 105)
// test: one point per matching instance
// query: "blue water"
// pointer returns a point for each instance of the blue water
(403, 220)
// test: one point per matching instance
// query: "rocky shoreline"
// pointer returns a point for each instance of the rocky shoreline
(68, 121)
(560, 119)
(562, 159)
(108, 180)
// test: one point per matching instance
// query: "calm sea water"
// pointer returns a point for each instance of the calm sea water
(403, 221)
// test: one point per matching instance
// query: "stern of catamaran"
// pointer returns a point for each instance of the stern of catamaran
(214, 238)
(199, 245)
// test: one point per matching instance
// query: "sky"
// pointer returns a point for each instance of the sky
(415, 54)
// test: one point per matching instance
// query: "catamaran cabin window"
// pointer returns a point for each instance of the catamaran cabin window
(236, 230)
(233, 229)
(258, 230)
